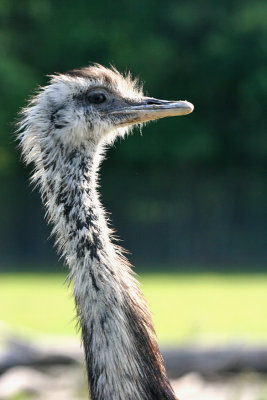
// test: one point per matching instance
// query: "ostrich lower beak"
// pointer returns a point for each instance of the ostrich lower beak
(150, 109)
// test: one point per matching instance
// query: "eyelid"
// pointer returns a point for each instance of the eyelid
(99, 89)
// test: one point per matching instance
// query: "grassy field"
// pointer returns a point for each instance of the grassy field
(196, 307)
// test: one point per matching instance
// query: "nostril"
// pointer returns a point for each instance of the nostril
(153, 101)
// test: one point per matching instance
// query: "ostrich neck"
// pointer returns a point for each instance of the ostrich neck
(122, 358)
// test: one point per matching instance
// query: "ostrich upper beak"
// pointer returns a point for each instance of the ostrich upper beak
(149, 109)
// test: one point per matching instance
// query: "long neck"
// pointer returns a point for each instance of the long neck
(122, 357)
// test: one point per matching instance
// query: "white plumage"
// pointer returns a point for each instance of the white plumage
(63, 132)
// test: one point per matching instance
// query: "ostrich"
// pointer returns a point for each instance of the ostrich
(64, 132)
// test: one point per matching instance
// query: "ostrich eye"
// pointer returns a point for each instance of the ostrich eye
(96, 98)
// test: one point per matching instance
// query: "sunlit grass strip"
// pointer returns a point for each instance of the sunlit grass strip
(185, 307)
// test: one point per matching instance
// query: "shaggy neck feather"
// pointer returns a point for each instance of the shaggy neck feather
(122, 357)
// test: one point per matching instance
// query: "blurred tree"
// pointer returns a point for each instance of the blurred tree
(213, 54)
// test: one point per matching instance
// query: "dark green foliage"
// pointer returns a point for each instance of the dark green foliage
(213, 54)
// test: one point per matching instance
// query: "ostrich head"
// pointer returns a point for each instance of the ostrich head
(94, 105)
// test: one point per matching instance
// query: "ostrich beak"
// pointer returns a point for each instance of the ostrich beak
(149, 109)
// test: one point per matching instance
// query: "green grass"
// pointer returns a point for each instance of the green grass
(196, 307)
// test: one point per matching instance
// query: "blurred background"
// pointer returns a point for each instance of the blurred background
(187, 196)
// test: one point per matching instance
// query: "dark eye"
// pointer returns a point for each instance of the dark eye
(96, 98)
